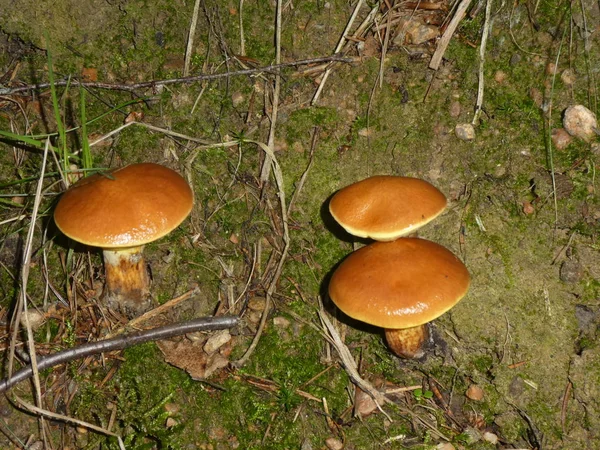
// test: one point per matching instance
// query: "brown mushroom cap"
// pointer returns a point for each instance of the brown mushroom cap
(400, 284)
(386, 207)
(127, 207)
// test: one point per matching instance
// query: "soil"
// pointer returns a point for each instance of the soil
(523, 215)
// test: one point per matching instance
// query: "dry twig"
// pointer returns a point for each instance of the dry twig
(183, 80)
(436, 59)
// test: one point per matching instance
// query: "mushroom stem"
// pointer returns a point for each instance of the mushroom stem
(127, 285)
(407, 342)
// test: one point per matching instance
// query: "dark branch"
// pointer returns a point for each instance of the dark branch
(183, 80)
(119, 343)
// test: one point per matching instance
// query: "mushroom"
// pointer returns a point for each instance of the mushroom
(386, 207)
(400, 286)
(121, 211)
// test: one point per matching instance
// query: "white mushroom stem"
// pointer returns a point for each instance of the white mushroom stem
(407, 342)
(127, 285)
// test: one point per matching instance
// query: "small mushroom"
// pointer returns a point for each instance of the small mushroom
(400, 286)
(119, 212)
(386, 207)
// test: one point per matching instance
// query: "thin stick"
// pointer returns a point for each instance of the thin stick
(242, 39)
(119, 343)
(162, 308)
(436, 59)
(350, 364)
(184, 80)
(60, 417)
(22, 309)
(338, 48)
(300, 184)
(484, 38)
(190, 43)
(266, 167)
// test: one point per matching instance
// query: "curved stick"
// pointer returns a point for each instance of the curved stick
(119, 343)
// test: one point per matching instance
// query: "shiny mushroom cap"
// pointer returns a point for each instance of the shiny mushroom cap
(400, 284)
(386, 207)
(127, 207)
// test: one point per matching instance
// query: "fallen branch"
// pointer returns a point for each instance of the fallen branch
(119, 343)
(183, 80)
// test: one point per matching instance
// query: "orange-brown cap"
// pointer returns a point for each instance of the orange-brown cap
(400, 284)
(386, 207)
(127, 207)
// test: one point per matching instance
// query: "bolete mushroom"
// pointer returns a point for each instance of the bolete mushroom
(121, 211)
(386, 207)
(400, 286)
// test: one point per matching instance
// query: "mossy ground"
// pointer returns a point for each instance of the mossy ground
(524, 333)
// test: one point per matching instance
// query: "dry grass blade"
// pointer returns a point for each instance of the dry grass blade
(278, 174)
(266, 168)
(35, 410)
(350, 365)
(436, 59)
(190, 43)
(338, 48)
(484, 38)
(22, 307)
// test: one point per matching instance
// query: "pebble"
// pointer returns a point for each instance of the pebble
(567, 77)
(560, 138)
(455, 109)
(334, 444)
(474, 392)
(216, 341)
(580, 122)
(571, 271)
(465, 131)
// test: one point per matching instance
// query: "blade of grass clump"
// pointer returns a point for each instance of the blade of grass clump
(86, 159)
(62, 135)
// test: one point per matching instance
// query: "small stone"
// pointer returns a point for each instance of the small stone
(172, 408)
(490, 437)
(515, 59)
(500, 76)
(365, 132)
(216, 362)
(237, 98)
(216, 341)
(36, 319)
(364, 405)
(445, 446)
(536, 95)
(550, 68)
(455, 109)
(568, 77)
(528, 208)
(334, 444)
(465, 131)
(580, 122)
(170, 422)
(413, 31)
(560, 138)
(257, 303)
(474, 392)
(571, 271)
(281, 322)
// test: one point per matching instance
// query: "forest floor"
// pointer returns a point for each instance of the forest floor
(514, 365)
